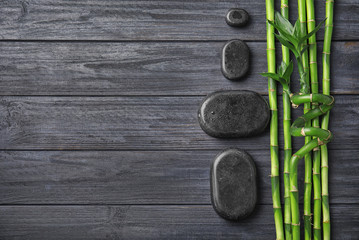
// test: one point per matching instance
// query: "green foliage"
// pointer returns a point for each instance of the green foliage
(283, 74)
(291, 37)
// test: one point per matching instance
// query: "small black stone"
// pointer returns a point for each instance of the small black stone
(233, 184)
(237, 17)
(233, 113)
(235, 59)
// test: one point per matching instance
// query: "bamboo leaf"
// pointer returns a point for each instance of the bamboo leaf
(274, 76)
(297, 29)
(283, 23)
(284, 33)
(286, 43)
(304, 88)
(304, 49)
(301, 40)
(288, 71)
(281, 68)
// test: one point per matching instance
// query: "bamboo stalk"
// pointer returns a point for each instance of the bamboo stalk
(287, 137)
(272, 92)
(329, 7)
(307, 107)
(315, 123)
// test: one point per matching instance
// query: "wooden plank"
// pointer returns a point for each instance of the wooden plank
(150, 20)
(136, 123)
(151, 222)
(63, 68)
(143, 177)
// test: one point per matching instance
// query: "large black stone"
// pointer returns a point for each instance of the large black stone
(237, 17)
(233, 184)
(235, 59)
(233, 113)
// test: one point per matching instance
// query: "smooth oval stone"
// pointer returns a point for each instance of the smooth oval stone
(237, 17)
(233, 184)
(235, 59)
(233, 113)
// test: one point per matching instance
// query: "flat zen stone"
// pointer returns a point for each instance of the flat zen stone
(233, 113)
(237, 17)
(233, 184)
(235, 59)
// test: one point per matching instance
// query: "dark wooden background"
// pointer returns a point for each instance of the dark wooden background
(99, 136)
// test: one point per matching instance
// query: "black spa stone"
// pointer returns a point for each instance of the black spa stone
(233, 184)
(235, 60)
(237, 17)
(233, 113)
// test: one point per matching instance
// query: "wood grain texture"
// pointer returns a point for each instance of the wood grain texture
(151, 222)
(62, 68)
(150, 20)
(136, 123)
(138, 177)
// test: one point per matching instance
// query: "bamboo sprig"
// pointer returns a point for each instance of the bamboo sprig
(317, 208)
(291, 37)
(272, 93)
(329, 7)
(287, 137)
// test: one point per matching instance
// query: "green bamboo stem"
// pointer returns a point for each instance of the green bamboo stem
(287, 137)
(329, 7)
(317, 208)
(307, 106)
(299, 129)
(272, 92)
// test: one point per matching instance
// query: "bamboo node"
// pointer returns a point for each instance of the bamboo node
(312, 62)
(329, 25)
(305, 67)
(325, 195)
(317, 198)
(286, 172)
(276, 207)
(320, 108)
(308, 182)
(295, 105)
(311, 20)
(311, 97)
(320, 142)
(273, 109)
(303, 118)
(329, 1)
(296, 224)
(324, 166)
(329, 136)
(326, 79)
(272, 145)
(307, 109)
(302, 132)
(315, 173)
(272, 90)
(314, 43)
(327, 53)
(331, 101)
(328, 221)
(269, 49)
(303, 21)
(316, 149)
(316, 228)
(284, 5)
(288, 148)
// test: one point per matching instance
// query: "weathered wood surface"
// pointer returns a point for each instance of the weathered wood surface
(176, 68)
(151, 222)
(150, 20)
(143, 177)
(136, 123)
